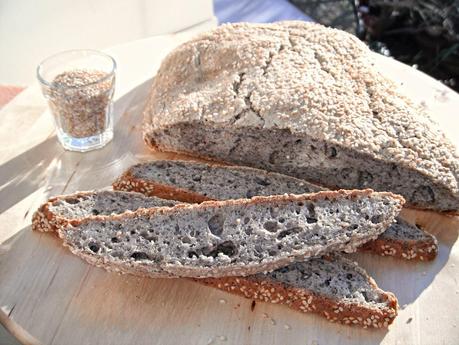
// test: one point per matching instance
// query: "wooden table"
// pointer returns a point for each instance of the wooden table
(51, 296)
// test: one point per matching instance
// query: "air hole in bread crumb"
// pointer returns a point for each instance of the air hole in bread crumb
(288, 232)
(227, 248)
(365, 179)
(271, 226)
(94, 247)
(139, 256)
(273, 157)
(250, 193)
(115, 239)
(262, 182)
(376, 219)
(330, 152)
(215, 224)
(72, 201)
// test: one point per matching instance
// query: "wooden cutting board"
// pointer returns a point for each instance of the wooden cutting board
(51, 296)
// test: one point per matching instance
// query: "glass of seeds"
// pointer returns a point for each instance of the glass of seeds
(79, 87)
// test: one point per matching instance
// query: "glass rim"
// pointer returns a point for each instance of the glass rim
(43, 81)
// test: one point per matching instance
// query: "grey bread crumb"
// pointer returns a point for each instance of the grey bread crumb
(81, 205)
(223, 182)
(402, 230)
(335, 277)
(219, 182)
(58, 211)
(236, 237)
(317, 85)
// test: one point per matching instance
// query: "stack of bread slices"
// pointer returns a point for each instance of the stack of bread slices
(305, 104)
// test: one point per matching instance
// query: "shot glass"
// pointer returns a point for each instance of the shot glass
(79, 87)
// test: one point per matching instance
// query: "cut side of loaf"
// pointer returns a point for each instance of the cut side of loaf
(191, 181)
(59, 210)
(303, 100)
(234, 237)
(334, 287)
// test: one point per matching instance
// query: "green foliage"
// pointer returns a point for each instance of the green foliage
(423, 33)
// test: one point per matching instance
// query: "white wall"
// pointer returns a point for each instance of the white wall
(31, 30)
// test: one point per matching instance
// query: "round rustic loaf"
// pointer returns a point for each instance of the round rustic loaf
(304, 100)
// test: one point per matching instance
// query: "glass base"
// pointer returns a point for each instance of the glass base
(85, 144)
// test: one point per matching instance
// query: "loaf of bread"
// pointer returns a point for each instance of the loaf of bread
(192, 181)
(303, 100)
(233, 237)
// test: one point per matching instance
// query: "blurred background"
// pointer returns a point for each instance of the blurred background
(421, 33)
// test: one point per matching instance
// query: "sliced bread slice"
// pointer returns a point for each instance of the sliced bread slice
(192, 181)
(333, 287)
(234, 237)
(404, 240)
(59, 210)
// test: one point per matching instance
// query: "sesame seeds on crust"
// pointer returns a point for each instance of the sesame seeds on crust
(346, 313)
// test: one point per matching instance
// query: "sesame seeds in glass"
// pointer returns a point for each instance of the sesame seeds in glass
(79, 87)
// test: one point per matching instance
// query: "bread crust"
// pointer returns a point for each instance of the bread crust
(47, 221)
(352, 314)
(425, 250)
